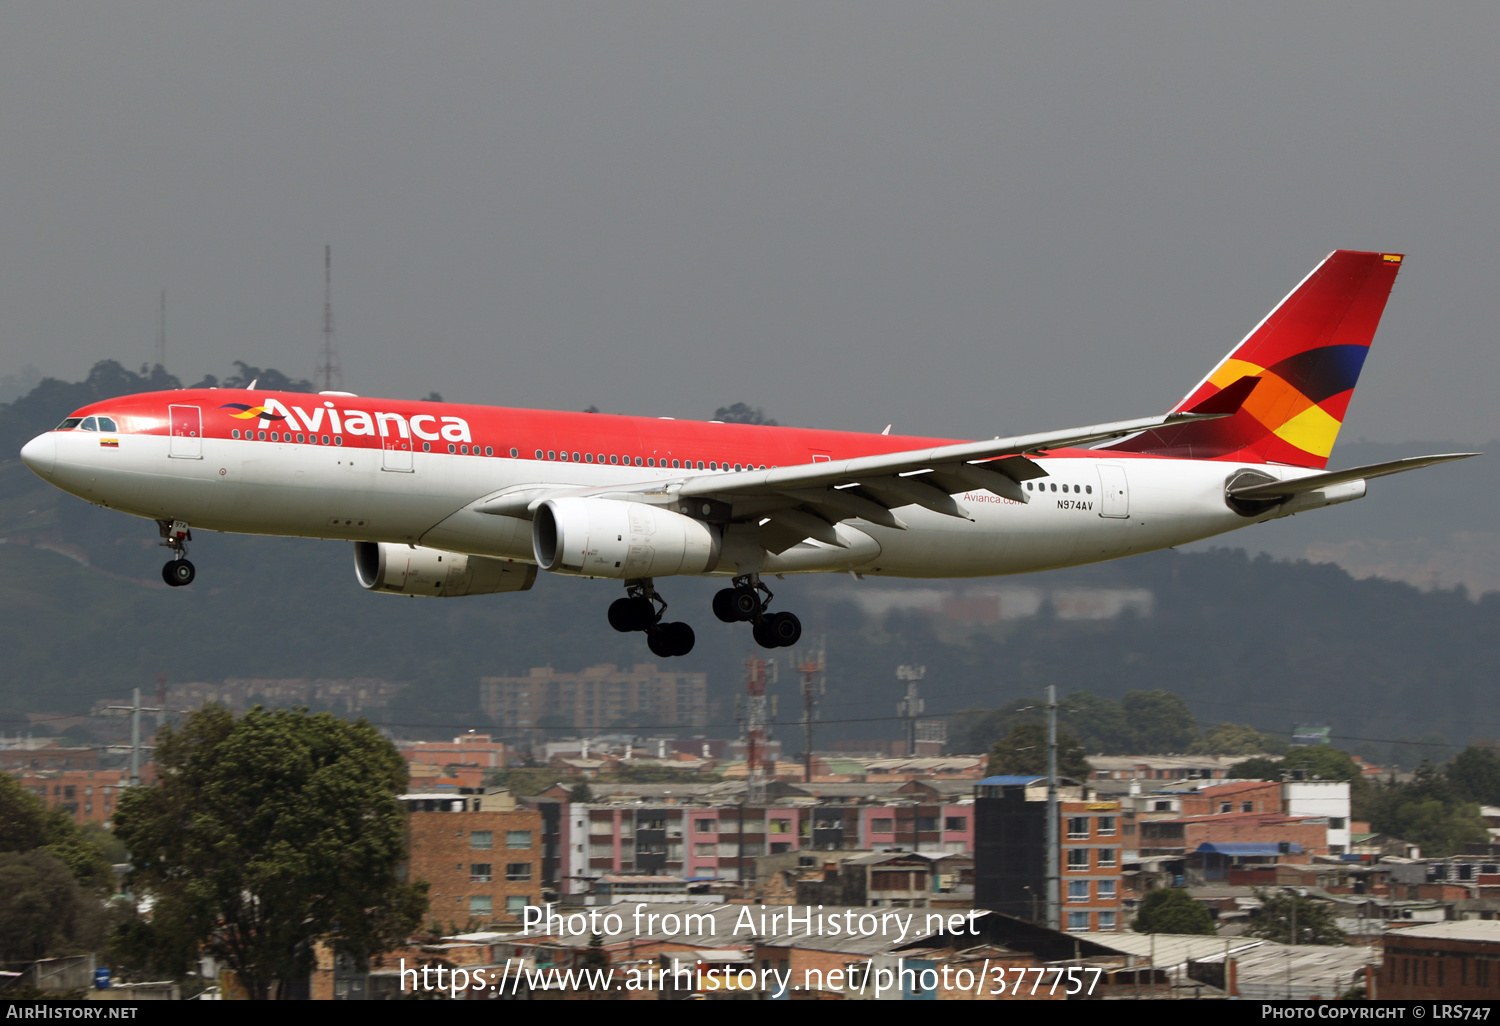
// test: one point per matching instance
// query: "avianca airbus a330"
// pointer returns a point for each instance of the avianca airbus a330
(448, 500)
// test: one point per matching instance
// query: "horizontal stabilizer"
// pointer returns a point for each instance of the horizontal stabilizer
(1296, 486)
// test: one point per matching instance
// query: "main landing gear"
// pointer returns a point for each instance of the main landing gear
(638, 611)
(743, 602)
(177, 571)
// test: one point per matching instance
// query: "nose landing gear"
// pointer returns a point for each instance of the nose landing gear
(743, 602)
(638, 611)
(176, 572)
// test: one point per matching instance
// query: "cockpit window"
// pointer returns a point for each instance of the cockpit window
(69, 424)
(107, 424)
(89, 424)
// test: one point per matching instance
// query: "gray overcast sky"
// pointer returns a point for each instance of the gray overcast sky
(963, 218)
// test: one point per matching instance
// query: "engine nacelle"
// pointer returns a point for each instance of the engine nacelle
(623, 540)
(414, 570)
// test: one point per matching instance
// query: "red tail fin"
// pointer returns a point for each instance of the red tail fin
(1308, 353)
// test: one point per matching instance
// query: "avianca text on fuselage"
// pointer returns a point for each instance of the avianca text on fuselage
(447, 500)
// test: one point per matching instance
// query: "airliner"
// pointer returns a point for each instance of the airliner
(448, 500)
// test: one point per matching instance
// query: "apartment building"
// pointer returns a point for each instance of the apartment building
(481, 854)
(1010, 851)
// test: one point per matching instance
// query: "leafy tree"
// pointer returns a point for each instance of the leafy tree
(1279, 914)
(1235, 739)
(1427, 811)
(269, 832)
(1258, 768)
(43, 910)
(1159, 721)
(1172, 910)
(742, 413)
(1475, 775)
(1024, 750)
(26, 824)
(1098, 723)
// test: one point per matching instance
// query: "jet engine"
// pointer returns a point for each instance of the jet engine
(623, 540)
(415, 570)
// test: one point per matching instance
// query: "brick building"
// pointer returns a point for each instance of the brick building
(481, 855)
(1441, 961)
(87, 795)
(1010, 851)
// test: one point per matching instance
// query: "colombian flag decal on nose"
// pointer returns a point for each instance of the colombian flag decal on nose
(250, 412)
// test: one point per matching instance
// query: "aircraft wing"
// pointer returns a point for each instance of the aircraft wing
(794, 503)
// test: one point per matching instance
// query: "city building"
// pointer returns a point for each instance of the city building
(1440, 961)
(595, 699)
(481, 854)
(1010, 849)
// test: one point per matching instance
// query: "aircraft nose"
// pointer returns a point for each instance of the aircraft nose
(40, 454)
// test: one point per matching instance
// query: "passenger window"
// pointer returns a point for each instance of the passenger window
(575, 457)
(650, 461)
(274, 438)
(1089, 489)
(426, 446)
(638, 461)
(674, 464)
(261, 435)
(514, 453)
(235, 433)
(89, 424)
(588, 457)
(551, 454)
(451, 448)
(561, 456)
(325, 439)
(712, 465)
(1054, 487)
(1028, 486)
(539, 454)
(614, 459)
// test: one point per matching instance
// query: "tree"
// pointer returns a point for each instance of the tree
(267, 833)
(1098, 723)
(1235, 739)
(1024, 751)
(1475, 775)
(1160, 721)
(1426, 811)
(26, 824)
(1172, 910)
(1290, 918)
(43, 910)
(742, 413)
(581, 793)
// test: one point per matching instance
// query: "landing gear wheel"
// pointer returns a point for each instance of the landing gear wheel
(784, 628)
(659, 645)
(677, 638)
(178, 572)
(763, 636)
(630, 614)
(724, 605)
(745, 602)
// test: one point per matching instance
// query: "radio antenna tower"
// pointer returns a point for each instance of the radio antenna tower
(328, 369)
(910, 707)
(756, 733)
(161, 333)
(812, 665)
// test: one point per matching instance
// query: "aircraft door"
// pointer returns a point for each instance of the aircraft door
(1114, 491)
(187, 432)
(396, 454)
